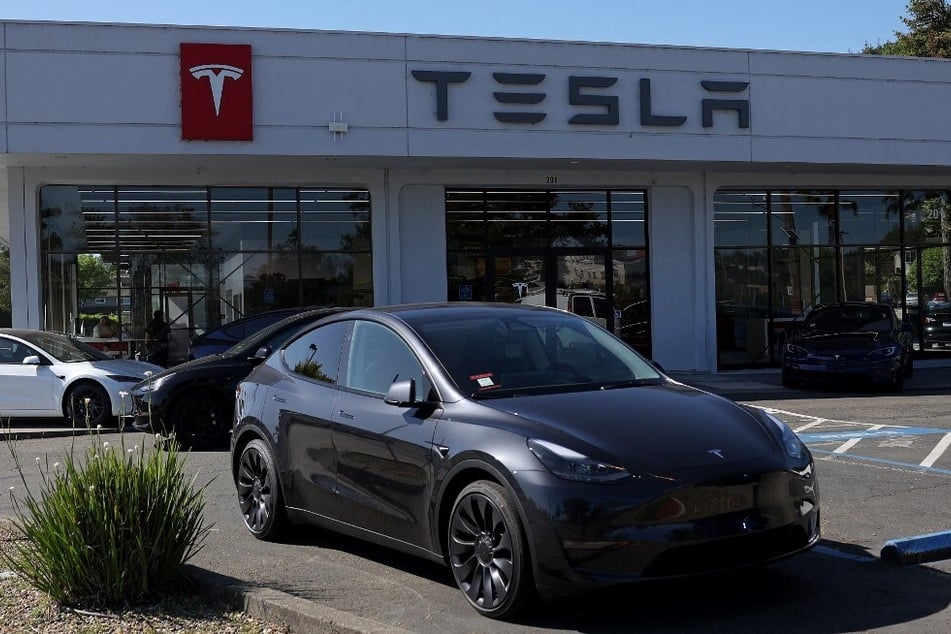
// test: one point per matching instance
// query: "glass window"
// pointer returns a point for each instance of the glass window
(628, 219)
(517, 218)
(316, 353)
(802, 217)
(924, 211)
(739, 219)
(869, 217)
(253, 219)
(579, 219)
(378, 358)
(466, 276)
(204, 256)
(465, 219)
(335, 219)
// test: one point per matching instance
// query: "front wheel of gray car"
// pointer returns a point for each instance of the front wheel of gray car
(487, 550)
(259, 492)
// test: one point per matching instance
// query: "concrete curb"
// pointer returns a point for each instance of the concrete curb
(918, 550)
(281, 608)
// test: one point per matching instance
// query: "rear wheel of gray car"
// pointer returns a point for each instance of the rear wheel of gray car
(259, 492)
(487, 550)
(200, 421)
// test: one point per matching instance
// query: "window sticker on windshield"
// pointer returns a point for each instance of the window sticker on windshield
(485, 381)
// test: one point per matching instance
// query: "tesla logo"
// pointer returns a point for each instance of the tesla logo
(216, 74)
(716, 452)
(520, 288)
(216, 92)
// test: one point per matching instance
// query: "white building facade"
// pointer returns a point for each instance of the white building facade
(692, 200)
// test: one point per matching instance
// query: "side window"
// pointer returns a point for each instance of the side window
(316, 354)
(12, 352)
(378, 358)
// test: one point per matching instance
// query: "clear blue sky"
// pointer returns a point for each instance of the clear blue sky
(805, 25)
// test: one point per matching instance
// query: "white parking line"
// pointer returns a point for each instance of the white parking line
(854, 441)
(938, 451)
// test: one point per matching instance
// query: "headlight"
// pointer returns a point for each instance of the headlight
(792, 348)
(121, 378)
(887, 351)
(572, 465)
(791, 442)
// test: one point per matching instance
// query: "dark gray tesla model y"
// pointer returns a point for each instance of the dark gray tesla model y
(528, 448)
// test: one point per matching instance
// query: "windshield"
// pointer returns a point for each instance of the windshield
(849, 319)
(63, 348)
(493, 355)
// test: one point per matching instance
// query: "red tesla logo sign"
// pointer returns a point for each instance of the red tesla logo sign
(216, 92)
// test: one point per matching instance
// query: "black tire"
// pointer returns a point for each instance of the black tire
(88, 404)
(200, 421)
(487, 551)
(259, 492)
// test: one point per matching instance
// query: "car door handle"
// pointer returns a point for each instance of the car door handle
(344, 414)
(279, 399)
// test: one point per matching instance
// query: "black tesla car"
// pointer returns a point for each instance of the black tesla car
(195, 400)
(526, 447)
(848, 342)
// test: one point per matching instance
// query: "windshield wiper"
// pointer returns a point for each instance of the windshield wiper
(631, 383)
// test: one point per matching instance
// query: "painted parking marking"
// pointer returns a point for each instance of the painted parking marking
(938, 451)
(847, 434)
(882, 432)
(854, 441)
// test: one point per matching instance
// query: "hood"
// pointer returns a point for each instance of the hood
(189, 365)
(656, 428)
(859, 340)
(127, 367)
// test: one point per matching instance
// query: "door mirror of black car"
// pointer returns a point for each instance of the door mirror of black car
(262, 353)
(402, 394)
(657, 365)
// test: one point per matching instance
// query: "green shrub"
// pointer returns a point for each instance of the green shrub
(110, 528)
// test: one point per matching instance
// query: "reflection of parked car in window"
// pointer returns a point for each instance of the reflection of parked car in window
(937, 324)
(590, 305)
(851, 340)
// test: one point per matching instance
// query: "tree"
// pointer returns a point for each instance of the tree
(95, 277)
(929, 32)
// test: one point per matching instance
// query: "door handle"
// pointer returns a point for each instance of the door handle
(279, 399)
(344, 414)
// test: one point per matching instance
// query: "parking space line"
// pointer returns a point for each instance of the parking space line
(901, 466)
(854, 441)
(938, 451)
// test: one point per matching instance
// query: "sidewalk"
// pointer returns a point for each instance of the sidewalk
(930, 377)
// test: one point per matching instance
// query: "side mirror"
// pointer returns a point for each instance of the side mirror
(262, 353)
(32, 360)
(401, 394)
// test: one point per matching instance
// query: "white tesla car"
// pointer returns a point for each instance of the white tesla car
(46, 375)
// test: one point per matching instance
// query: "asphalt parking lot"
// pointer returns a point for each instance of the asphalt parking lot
(885, 473)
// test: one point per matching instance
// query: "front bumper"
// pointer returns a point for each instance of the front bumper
(586, 535)
(842, 369)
